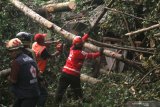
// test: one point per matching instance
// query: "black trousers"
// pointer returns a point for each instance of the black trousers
(26, 102)
(43, 93)
(66, 80)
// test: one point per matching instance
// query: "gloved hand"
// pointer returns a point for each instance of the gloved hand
(101, 50)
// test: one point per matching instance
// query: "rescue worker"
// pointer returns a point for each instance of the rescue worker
(42, 55)
(23, 75)
(26, 39)
(71, 71)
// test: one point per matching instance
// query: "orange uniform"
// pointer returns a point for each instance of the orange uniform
(38, 49)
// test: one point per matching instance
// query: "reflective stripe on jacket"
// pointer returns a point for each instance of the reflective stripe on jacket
(75, 61)
(38, 49)
(76, 58)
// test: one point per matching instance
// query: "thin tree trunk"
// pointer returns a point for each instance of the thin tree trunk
(143, 30)
(118, 47)
(117, 40)
(112, 39)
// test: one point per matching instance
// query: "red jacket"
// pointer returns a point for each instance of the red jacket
(76, 58)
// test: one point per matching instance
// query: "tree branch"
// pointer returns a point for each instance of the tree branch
(143, 30)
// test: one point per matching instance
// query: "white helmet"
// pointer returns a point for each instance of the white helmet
(14, 44)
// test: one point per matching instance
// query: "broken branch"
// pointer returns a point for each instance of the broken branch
(143, 30)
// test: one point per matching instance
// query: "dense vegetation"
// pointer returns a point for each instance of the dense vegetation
(117, 88)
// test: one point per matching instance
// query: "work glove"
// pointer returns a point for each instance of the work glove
(101, 50)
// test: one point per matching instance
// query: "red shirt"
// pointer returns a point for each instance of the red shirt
(76, 58)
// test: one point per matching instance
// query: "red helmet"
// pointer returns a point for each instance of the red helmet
(39, 37)
(77, 40)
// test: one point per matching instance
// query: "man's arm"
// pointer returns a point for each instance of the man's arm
(85, 37)
(15, 67)
(92, 55)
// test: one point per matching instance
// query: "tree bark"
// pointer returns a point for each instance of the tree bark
(59, 7)
(86, 78)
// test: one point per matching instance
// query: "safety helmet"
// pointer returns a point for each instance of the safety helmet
(24, 36)
(39, 37)
(14, 44)
(77, 40)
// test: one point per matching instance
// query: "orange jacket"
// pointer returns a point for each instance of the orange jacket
(38, 49)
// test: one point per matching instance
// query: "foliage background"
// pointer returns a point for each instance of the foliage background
(112, 91)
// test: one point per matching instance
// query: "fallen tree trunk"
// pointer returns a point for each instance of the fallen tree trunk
(89, 79)
(59, 7)
(65, 33)
(83, 77)
(5, 72)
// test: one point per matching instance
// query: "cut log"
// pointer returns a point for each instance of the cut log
(59, 7)
(5, 72)
(89, 79)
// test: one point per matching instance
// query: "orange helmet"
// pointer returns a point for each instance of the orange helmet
(14, 44)
(77, 40)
